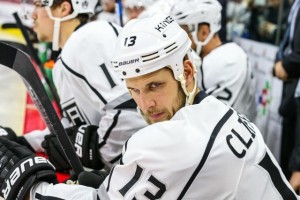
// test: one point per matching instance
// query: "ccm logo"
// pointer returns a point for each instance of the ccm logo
(15, 175)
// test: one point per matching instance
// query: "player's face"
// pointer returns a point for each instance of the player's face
(108, 5)
(133, 13)
(203, 32)
(42, 24)
(158, 95)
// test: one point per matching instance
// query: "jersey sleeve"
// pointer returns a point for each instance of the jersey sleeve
(45, 190)
(137, 173)
(153, 160)
(115, 128)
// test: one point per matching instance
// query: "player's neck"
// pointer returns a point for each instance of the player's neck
(211, 45)
(66, 29)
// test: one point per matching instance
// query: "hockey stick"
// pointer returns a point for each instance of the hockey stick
(34, 55)
(20, 62)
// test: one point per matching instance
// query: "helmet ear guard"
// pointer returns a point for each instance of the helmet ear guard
(79, 6)
(150, 44)
(47, 3)
(84, 6)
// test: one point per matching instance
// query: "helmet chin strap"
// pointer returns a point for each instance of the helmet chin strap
(189, 95)
(181, 79)
(55, 40)
(56, 31)
(198, 43)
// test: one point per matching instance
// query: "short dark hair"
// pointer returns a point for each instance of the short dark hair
(83, 18)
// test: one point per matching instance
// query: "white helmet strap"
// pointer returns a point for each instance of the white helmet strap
(56, 31)
(200, 44)
(181, 79)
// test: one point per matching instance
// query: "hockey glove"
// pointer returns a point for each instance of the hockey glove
(92, 179)
(9, 134)
(20, 169)
(85, 140)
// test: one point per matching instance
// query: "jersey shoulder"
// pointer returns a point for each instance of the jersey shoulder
(225, 60)
(226, 53)
(97, 33)
(94, 42)
(192, 121)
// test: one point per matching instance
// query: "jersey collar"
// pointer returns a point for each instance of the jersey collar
(199, 97)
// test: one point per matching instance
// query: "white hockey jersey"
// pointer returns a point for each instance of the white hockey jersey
(206, 151)
(226, 74)
(90, 91)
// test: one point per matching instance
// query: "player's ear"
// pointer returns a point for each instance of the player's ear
(189, 73)
(66, 8)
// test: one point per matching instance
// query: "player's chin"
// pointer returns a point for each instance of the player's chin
(157, 118)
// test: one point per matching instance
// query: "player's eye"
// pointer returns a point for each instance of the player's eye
(38, 4)
(154, 85)
(134, 91)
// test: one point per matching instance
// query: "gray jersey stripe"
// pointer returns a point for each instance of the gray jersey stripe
(102, 194)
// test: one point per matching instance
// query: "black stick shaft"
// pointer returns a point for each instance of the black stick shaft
(21, 63)
(33, 53)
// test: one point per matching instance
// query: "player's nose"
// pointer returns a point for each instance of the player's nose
(146, 101)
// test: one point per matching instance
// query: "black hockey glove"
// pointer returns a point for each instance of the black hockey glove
(85, 141)
(20, 169)
(9, 134)
(92, 179)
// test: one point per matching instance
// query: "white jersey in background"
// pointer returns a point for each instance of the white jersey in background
(226, 74)
(91, 93)
(182, 158)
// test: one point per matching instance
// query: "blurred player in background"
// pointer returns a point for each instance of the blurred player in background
(224, 71)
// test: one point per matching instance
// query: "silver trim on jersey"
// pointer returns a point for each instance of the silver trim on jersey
(102, 193)
(115, 103)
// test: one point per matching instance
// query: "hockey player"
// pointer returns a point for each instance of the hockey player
(195, 145)
(225, 72)
(96, 105)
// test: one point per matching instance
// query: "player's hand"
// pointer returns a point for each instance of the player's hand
(20, 169)
(279, 71)
(92, 179)
(8, 133)
(295, 181)
(85, 141)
